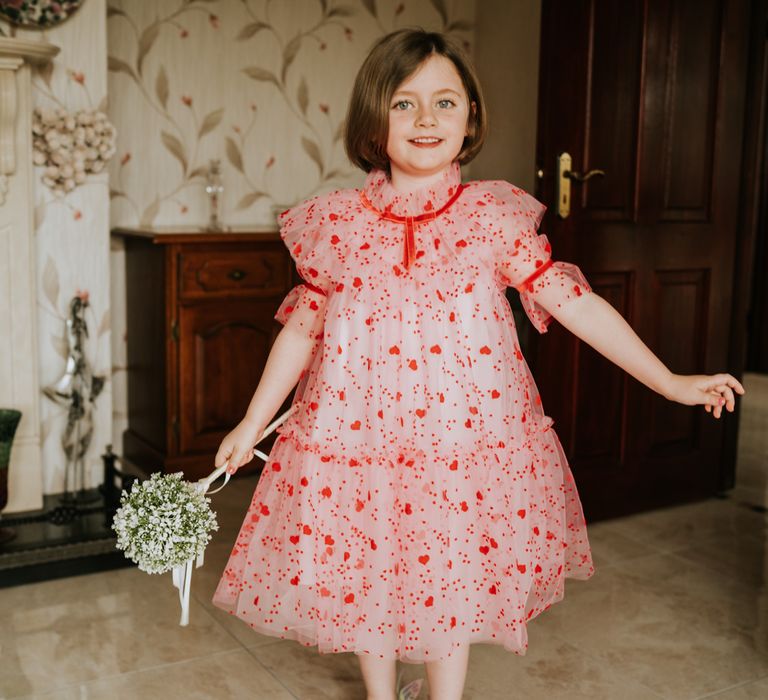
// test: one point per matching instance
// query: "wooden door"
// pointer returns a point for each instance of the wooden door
(653, 93)
(223, 347)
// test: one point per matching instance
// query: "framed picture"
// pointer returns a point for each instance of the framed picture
(38, 14)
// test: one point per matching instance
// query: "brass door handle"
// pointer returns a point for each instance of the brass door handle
(563, 182)
(572, 175)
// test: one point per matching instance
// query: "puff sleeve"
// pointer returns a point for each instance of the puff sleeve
(305, 232)
(523, 257)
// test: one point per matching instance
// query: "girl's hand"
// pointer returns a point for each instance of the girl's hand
(714, 391)
(237, 447)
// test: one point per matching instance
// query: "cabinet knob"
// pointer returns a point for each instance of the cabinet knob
(236, 274)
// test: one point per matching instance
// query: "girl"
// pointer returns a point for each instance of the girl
(418, 500)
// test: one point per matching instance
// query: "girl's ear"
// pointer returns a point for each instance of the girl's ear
(473, 112)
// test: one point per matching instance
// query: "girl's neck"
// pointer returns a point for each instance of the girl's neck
(405, 182)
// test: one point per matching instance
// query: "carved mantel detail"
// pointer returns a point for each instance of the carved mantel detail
(19, 358)
(13, 54)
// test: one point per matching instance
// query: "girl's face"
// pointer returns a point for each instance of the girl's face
(428, 117)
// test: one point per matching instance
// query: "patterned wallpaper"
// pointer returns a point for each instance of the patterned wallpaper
(72, 237)
(261, 85)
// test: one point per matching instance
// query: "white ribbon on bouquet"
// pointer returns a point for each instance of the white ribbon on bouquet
(182, 574)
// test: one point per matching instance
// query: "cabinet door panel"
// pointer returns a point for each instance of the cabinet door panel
(223, 347)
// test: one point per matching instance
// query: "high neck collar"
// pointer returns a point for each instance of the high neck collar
(386, 198)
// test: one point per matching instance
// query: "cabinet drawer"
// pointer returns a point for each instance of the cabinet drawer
(211, 273)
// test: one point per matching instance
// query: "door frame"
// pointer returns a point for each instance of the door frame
(753, 201)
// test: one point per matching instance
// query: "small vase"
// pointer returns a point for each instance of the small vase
(9, 421)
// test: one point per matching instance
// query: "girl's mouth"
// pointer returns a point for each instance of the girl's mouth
(426, 141)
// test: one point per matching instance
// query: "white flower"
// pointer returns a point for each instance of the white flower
(163, 522)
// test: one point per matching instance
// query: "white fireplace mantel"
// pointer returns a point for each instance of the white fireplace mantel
(19, 372)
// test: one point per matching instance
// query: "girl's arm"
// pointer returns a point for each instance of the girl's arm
(598, 324)
(289, 357)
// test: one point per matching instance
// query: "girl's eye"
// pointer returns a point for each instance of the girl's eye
(446, 103)
(401, 105)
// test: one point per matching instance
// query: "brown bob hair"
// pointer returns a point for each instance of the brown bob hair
(392, 59)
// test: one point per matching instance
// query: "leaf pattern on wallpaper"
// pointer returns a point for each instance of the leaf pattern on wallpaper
(115, 65)
(211, 121)
(370, 5)
(439, 6)
(233, 154)
(162, 89)
(150, 213)
(302, 96)
(178, 141)
(289, 55)
(313, 151)
(261, 74)
(176, 148)
(251, 30)
(60, 345)
(278, 75)
(104, 324)
(51, 282)
(146, 42)
(250, 199)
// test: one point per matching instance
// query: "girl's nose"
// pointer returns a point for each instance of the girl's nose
(426, 117)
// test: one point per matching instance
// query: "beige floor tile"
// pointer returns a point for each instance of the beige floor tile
(743, 557)
(675, 528)
(668, 624)
(551, 669)
(750, 691)
(226, 676)
(78, 629)
(310, 675)
(611, 548)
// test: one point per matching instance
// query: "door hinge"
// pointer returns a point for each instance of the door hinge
(175, 330)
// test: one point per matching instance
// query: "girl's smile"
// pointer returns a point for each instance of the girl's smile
(427, 123)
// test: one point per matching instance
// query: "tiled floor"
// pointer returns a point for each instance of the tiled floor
(678, 609)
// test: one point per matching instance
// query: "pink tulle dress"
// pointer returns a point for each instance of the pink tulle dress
(419, 497)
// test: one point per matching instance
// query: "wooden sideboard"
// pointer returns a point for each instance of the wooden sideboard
(200, 325)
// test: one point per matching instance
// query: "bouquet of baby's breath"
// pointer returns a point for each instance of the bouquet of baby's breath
(163, 522)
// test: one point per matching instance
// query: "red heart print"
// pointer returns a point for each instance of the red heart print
(355, 425)
(424, 558)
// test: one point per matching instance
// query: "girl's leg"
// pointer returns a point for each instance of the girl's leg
(379, 676)
(446, 677)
